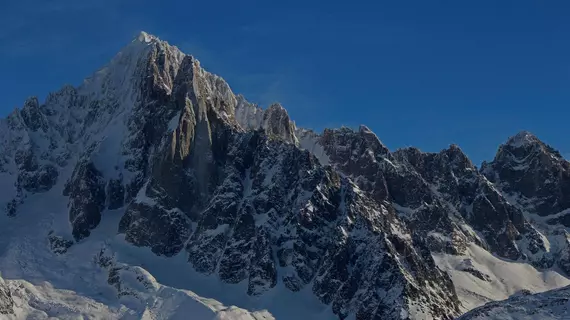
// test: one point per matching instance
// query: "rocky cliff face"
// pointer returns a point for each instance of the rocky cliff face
(535, 178)
(245, 196)
(533, 172)
(441, 196)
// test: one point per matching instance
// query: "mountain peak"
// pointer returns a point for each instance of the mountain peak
(525, 143)
(521, 139)
(364, 129)
(527, 166)
(31, 102)
(277, 106)
(456, 152)
(145, 37)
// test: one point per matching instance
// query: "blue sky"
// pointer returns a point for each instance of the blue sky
(421, 73)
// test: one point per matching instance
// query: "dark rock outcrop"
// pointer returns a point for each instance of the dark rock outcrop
(6, 300)
(86, 191)
(532, 170)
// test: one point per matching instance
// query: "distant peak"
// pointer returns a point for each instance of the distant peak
(31, 102)
(455, 147)
(365, 129)
(277, 106)
(523, 138)
(456, 155)
(372, 139)
(520, 146)
(145, 37)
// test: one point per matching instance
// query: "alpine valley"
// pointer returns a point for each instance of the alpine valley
(152, 191)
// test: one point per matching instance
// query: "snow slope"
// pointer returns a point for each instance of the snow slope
(550, 305)
(78, 285)
(480, 277)
(43, 301)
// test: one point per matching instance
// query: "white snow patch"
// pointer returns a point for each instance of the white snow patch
(506, 277)
(247, 115)
(522, 138)
(309, 141)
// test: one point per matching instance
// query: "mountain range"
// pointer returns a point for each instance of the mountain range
(152, 191)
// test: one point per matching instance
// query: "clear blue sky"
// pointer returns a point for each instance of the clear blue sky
(422, 73)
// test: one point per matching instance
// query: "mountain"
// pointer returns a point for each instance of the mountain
(524, 305)
(153, 178)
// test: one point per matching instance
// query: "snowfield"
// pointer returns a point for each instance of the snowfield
(480, 277)
(77, 286)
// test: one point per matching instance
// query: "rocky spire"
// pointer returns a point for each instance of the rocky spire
(32, 115)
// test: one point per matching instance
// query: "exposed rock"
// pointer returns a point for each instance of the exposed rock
(6, 300)
(115, 194)
(33, 116)
(40, 180)
(86, 191)
(274, 120)
(276, 123)
(58, 244)
(533, 171)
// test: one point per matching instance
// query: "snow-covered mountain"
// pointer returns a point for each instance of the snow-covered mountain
(152, 189)
(550, 305)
